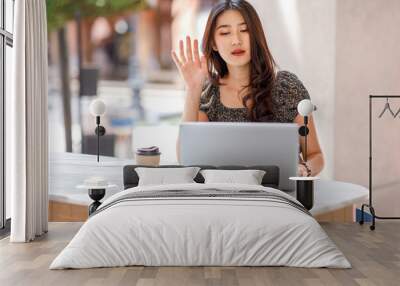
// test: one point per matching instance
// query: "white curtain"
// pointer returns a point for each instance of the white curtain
(26, 119)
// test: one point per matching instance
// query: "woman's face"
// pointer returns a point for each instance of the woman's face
(231, 38)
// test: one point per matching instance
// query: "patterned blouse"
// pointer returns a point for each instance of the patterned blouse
(286, 94)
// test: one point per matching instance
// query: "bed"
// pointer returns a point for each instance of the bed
(201, 224)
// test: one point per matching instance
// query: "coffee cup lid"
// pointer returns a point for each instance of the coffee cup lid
(148, 153)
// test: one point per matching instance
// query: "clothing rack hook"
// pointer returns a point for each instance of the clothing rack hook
(387, 107)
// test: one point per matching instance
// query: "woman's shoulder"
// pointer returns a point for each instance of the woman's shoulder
(286, 76)
(287, 93)
(288, 82)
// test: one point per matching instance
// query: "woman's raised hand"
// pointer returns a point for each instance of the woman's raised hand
(192, 67)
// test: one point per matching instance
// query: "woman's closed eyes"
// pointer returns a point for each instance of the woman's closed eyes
(227, 33)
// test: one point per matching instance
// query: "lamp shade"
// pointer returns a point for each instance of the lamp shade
(97, 107)
(305, 107)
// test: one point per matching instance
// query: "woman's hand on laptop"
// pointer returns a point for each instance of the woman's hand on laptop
(191, 66)
(302, 171)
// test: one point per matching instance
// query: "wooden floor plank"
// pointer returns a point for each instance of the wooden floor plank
(375, 257)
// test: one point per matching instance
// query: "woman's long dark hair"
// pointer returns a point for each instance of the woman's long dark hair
(262, 65)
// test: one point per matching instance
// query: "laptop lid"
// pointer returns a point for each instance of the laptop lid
(242, 143)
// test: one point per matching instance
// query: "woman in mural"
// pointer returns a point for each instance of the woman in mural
(236, 79)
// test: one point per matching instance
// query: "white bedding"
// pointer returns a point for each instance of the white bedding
(200, 231)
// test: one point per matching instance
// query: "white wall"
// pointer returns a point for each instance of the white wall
(344, 51)
(368, 62)
(301, 36)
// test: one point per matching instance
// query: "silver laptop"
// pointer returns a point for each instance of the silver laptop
(245, 144)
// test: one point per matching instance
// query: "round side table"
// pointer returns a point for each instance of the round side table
(305, 190)
(96, 193)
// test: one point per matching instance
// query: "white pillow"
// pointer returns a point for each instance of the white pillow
(249, 177)
(163, 176)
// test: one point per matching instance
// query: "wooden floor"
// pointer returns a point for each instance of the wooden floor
(375, 257)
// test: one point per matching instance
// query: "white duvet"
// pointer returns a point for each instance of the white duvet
(200, 231)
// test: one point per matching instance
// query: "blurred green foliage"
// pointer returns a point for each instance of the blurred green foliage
(61, 11)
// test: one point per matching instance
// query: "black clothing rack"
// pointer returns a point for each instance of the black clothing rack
(369, 205)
